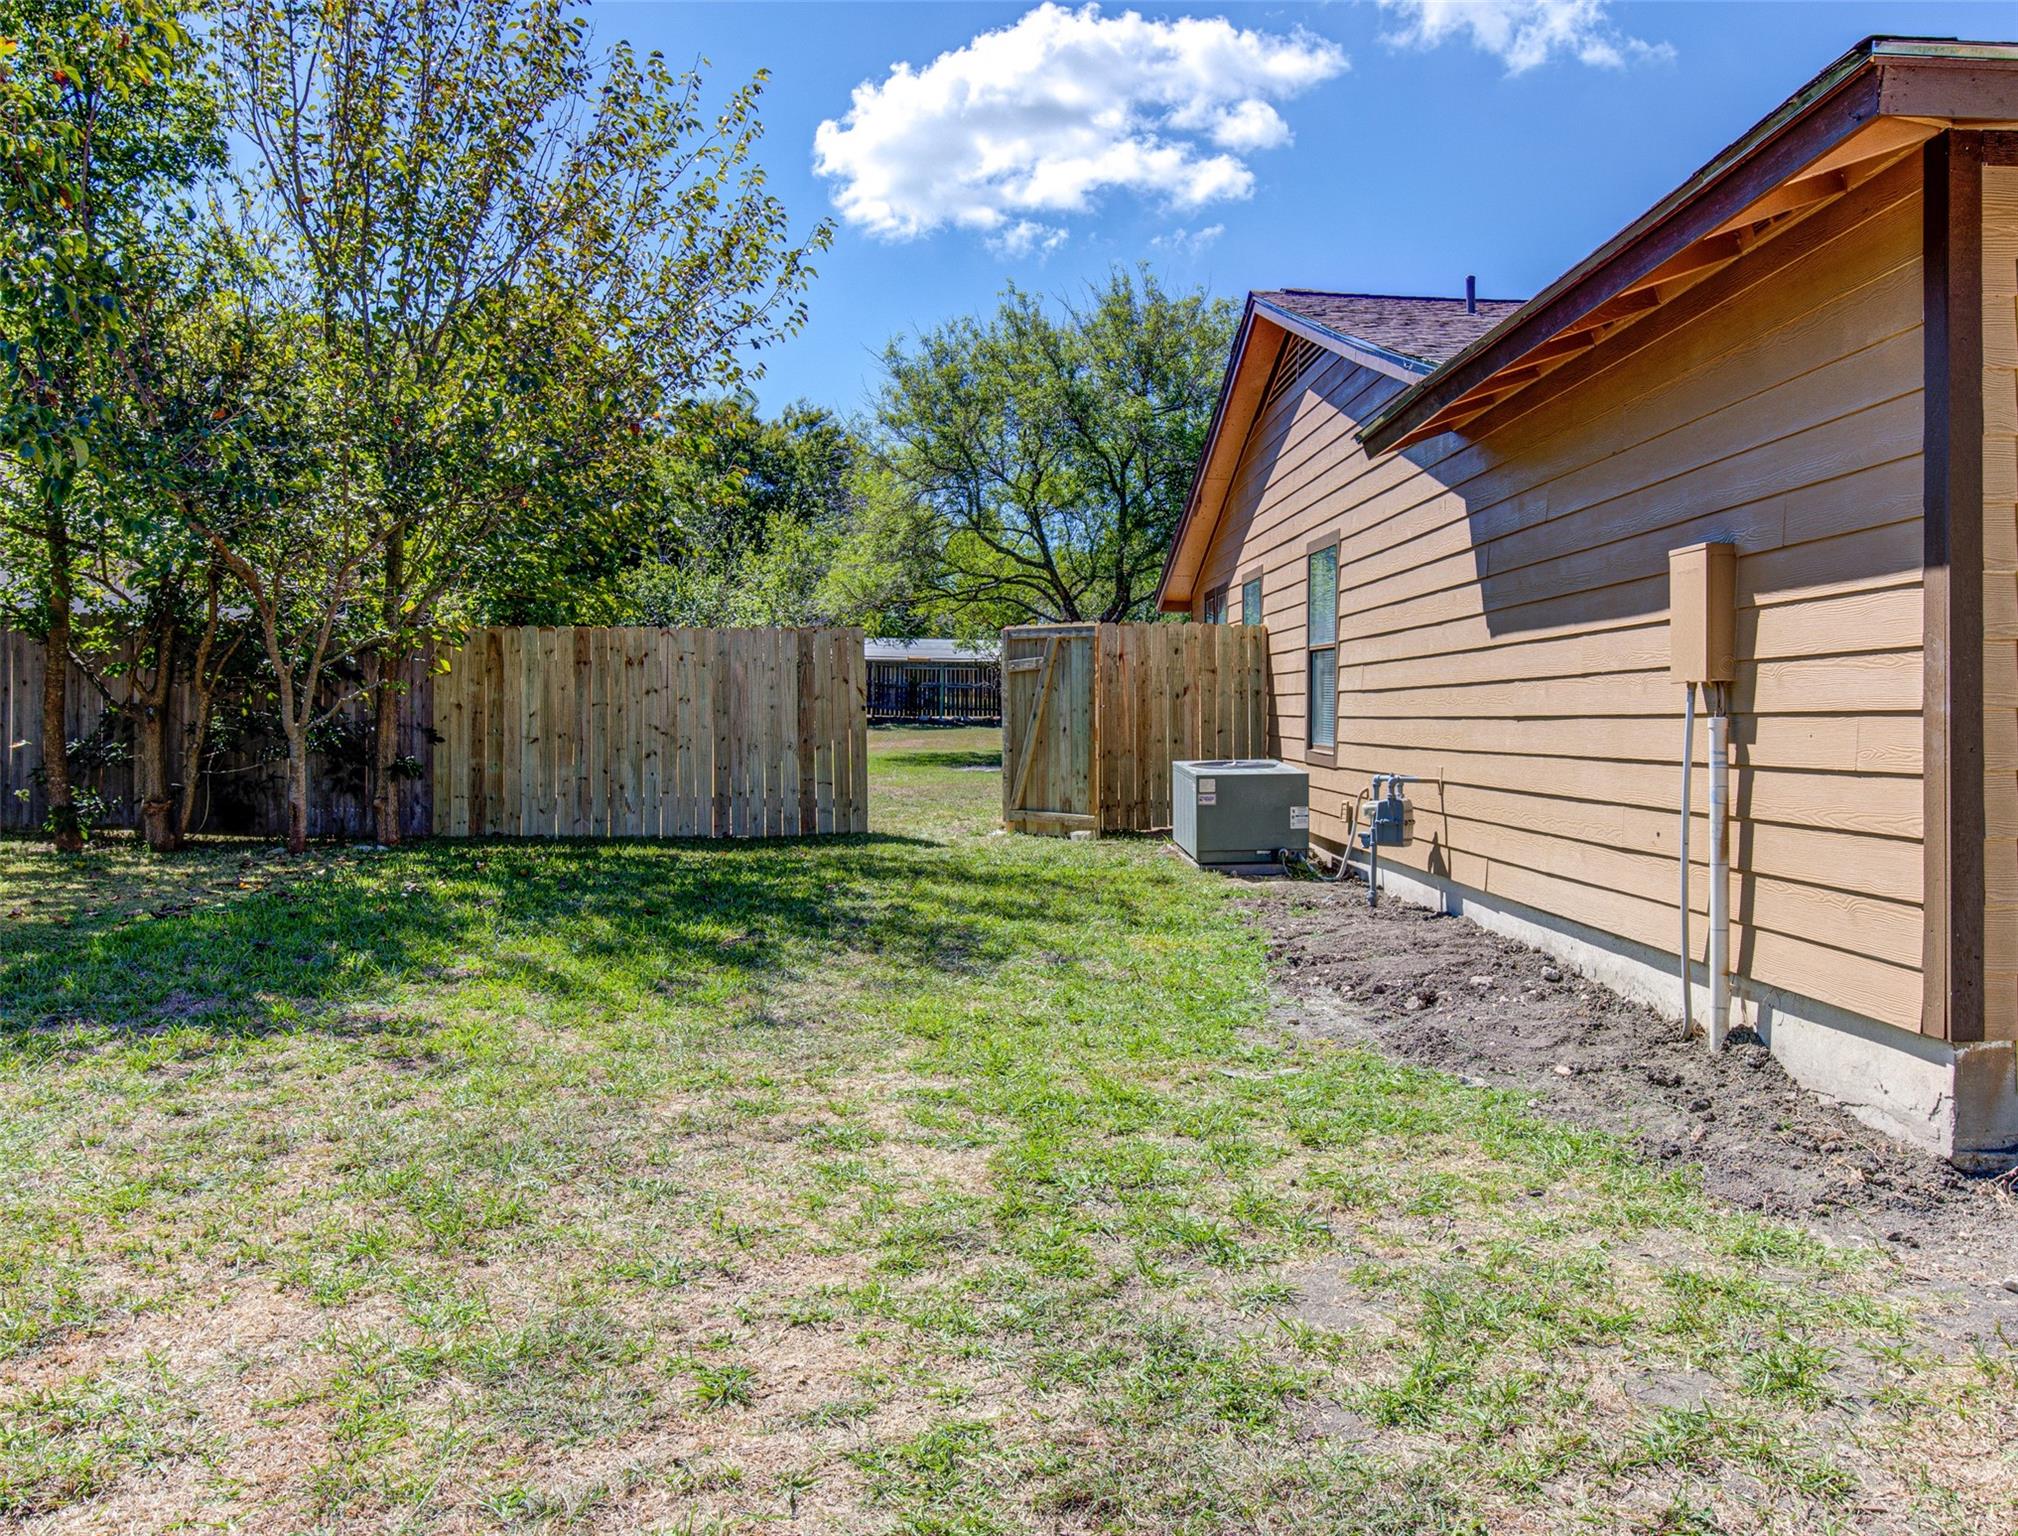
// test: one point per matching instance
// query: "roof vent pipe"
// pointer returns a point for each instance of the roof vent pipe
(1471, 294)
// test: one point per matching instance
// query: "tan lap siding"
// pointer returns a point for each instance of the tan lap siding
(1503, 609)
(2000, 596)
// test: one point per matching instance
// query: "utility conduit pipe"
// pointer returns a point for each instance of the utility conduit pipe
(1688, 762)
(1720, 865)
(1702, 634)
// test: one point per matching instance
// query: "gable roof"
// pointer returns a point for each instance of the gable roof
(1878, 103)
(1425, 331)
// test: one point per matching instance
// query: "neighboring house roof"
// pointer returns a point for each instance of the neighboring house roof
(925, 650)
(1881, 101)
(1422, 330)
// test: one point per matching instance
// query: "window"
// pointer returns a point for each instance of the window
(1250, 600)
(1322, 642)
(1215, 606)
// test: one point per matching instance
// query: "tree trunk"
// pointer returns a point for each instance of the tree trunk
(64, 826)
(203, 681)
(385, 725)
(385, 700)
(192, 768)
(153, 772)
(297, 788)
(157, 792)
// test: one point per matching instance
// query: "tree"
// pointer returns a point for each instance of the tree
(1052, 452)
(105, 115)
(882, 571)
(200, 413)
(745, 516)
(298, 540)
(515, 254)
(130, 645)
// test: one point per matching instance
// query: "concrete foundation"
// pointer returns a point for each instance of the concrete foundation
(1957, 1102)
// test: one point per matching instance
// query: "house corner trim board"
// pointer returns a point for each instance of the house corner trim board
(1952, 713)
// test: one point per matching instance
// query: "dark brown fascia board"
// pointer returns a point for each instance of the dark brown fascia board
(1879, 77)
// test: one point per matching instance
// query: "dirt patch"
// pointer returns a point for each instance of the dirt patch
(1447, 993)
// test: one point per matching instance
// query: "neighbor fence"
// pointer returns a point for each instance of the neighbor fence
(517, 732)
(1093, 715)
(935, 692)
(652, 733)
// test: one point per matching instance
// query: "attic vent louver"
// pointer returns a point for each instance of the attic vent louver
(1296, 356)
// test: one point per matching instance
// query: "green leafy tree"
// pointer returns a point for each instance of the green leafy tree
(299, 541)
(106, 117)
(746, 516)
(882, 572)
(211, 406)
(516, 252)
(1051, 448)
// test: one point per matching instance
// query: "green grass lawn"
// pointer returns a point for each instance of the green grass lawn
(931, 1181)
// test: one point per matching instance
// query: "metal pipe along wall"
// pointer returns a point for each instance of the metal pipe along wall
(1720, 867)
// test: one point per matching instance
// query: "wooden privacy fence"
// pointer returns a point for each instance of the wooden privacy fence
(529, 732)
(652, 733)
(244, 783)
(1093, 715)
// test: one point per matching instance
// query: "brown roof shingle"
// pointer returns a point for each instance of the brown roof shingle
(1428, 330)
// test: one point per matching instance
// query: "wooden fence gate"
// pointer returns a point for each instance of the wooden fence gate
(576, 732)
(1093, 715)
(1048, 709)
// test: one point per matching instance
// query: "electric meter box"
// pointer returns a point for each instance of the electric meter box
(1238, 813)
(1702, 613)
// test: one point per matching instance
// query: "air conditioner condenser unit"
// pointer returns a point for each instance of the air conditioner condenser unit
(1237, 814)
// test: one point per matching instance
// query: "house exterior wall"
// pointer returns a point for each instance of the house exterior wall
(1503, 621)
(2000, 600)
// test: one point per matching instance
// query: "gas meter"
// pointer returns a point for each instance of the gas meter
(1386, 820)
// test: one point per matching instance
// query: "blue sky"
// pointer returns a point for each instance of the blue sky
(1376, 147)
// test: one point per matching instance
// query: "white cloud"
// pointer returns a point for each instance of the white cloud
(1022, 127)
(1250, 125)
(1187, 242)
(1026, 236)
(1524, 33)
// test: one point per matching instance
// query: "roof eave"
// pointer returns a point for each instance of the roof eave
(1839, 101)
(1399, 365)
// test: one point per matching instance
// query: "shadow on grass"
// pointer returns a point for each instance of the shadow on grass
(928, 727)
(603, 925)
(946, 759)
